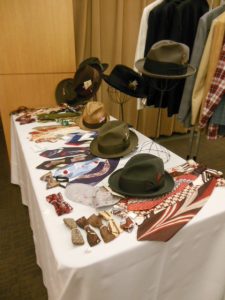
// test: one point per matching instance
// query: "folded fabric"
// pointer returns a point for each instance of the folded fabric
(89, 195)
(61, 206)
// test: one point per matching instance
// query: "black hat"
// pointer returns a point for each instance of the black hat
(127, 81)
(143, 176)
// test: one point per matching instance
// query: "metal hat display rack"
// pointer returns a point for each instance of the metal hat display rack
(163, 83)
(118, 97)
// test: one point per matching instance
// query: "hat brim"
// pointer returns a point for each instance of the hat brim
(139, 64)
(133, 143)
(64, 91)
(109, 81)
(82, 126)
(166, 188)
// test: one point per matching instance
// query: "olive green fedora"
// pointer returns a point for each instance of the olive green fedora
(143, 176)
(114, 140)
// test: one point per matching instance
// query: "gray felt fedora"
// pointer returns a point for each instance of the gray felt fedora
(166, 59)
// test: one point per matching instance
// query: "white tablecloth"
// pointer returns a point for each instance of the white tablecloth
(190, 266)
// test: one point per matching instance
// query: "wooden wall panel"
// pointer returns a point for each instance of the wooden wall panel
(37, 51)
(36, 36)
(28, 90)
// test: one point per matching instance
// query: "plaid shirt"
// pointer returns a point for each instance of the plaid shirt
(214, 96)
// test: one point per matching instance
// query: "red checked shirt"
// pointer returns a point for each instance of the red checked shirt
(214, 96)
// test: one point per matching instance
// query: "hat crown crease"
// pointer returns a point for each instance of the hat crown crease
(142, 176)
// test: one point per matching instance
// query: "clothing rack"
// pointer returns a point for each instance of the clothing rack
(193, 147)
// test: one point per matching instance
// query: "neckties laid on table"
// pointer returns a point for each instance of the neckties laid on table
(61, 206)
(51, 181)
(96, 221)
(80, 139)
(92, 237)
(64, 152)
(51, 164)
(127, 224)
(96, 175)
(76, 236)
(71, 171)
(164, 225)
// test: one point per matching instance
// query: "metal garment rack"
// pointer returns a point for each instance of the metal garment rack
(164, 85)
(194, 143)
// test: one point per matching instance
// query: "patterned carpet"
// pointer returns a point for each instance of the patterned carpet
(20, 277)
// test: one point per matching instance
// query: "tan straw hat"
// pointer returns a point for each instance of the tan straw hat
(93, 116)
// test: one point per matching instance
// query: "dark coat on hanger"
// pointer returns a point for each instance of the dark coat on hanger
(175, 20)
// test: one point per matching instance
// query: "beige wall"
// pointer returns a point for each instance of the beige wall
(37, 51)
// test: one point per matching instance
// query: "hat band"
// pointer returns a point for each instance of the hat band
(163, 68)
(113, 149)
(94, 125)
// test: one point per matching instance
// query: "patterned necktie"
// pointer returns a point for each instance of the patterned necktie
(52, 164)
(112, 225)
(65, 151)
(76, 236)
(96, 175)
(92, 237)
(61, 206)
(165, 224)
(96, 221)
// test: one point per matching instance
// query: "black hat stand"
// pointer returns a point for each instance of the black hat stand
(162, 85)
(119, 98)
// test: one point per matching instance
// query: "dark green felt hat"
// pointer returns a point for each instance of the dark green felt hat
(143, 176)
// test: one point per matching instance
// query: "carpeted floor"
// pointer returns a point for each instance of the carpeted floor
(20, 277)
(210, 153)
